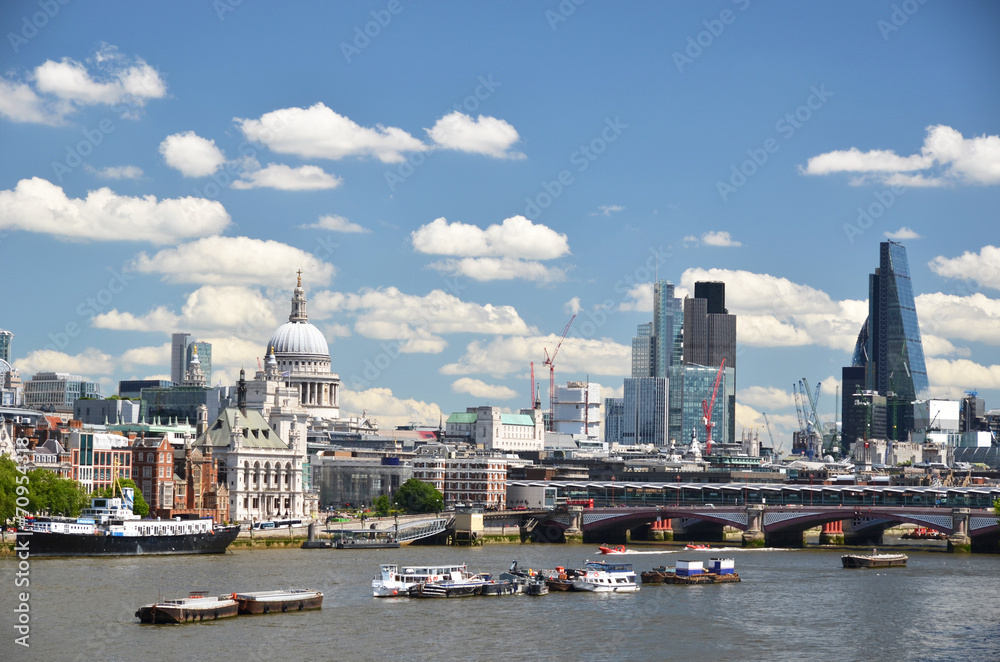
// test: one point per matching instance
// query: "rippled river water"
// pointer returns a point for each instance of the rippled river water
(791, 605)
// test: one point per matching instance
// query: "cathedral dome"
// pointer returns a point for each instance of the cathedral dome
(298, 338)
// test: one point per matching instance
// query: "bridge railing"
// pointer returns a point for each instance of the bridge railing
(421, 530)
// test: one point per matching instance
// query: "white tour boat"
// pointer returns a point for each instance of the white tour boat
(392, 581)
(603, 577)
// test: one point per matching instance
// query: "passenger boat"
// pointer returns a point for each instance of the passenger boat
(602, 577)
(109, 527)
(618, 549)
(266, 602)
(196, 607)
(874, 560)
(392, 581)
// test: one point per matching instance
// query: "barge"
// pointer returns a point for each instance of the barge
(874, 560)
(196, 607)
(266, 602)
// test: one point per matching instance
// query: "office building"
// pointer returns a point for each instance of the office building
(577, 409)
(644, 411)
(709, 329)
(5, 340)
(178, 357)
(614, 418)
(132, 388)
(889, 346)
(58, 391)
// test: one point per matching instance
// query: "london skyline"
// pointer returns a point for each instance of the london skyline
(456, 182)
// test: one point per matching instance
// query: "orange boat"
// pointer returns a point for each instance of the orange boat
(698, 547)
(604, 549)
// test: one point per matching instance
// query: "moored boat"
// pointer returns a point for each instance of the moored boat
(196, 607)
(460, 588)
(393, 580)
(721, 571)
(874, 560)
(109, 527)
(266, 602)
(603, 577)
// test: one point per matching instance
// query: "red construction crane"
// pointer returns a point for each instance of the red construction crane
(551, 362)
(532, 398)
(706, 410)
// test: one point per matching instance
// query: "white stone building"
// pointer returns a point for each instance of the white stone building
(490, 429)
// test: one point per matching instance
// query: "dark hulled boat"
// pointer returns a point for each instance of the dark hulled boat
(195, 607)
(267, 602)
(110, 528)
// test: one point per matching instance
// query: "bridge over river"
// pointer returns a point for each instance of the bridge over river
(769, 515)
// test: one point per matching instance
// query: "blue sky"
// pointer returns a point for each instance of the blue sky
(456, 180)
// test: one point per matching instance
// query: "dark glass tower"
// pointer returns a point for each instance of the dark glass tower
(889, 347)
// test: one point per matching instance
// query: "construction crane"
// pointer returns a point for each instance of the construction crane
(798, 407)
(531, 396)
(776, 450)
(706, 409)
(551, 362)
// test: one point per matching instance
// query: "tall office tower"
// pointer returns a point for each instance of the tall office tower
(204, 350)
(643, 357)
(614, 409)
(668, 326)
(178, 357)
(709, 336)
(889, 347)
(644, 411)
(5, 340)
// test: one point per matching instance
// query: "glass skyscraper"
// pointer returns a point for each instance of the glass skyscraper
(889, 347)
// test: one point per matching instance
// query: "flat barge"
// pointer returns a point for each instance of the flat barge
(266, 602)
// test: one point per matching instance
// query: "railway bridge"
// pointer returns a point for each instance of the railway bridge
(774, 515)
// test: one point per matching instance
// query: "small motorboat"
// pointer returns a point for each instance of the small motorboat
(618, 549)
(698, 547)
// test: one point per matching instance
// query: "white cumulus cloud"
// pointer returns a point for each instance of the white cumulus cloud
(902, 234)
(233, 261)
(485, 135)
(37, 205)
(946, 157)
(286, 178)
(115, 172)
(336, 223)
(191, 154)
(982, 267)
(577, 357)
(480, 389)
(388, 410)
(319, 132)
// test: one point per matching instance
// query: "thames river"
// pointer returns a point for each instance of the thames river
(791, 605)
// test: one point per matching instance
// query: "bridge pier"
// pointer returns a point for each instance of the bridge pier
(959, 541)
(754, 535)
(574, 532)
(661, 530)
(832, 533)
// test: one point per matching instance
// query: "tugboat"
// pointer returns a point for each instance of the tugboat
(109, 527)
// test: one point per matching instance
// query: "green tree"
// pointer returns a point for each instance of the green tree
(416, 496)
(8, 488)
(56, 494)
(139, 505)
(382, 505)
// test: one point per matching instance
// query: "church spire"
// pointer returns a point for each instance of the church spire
(298, 302)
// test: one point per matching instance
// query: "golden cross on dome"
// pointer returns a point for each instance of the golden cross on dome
(300, 278)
